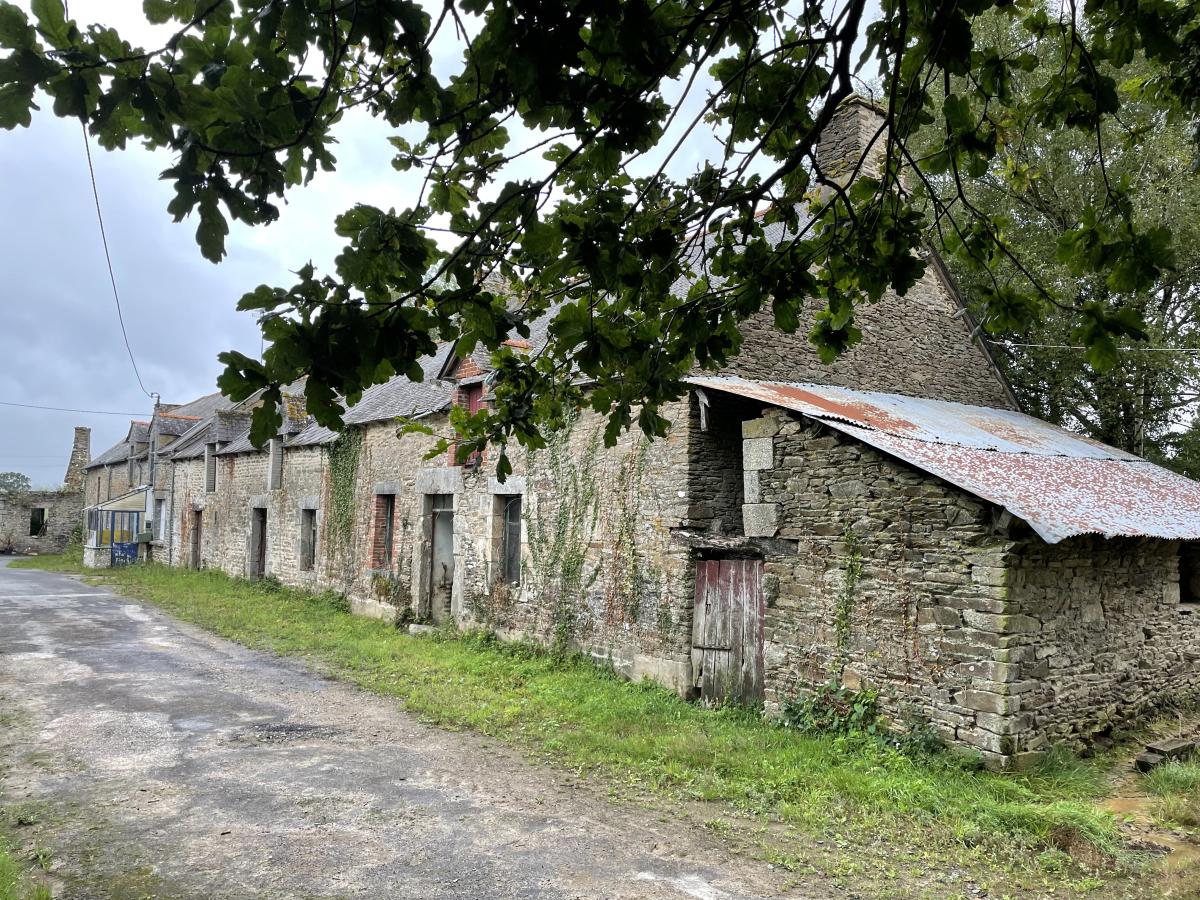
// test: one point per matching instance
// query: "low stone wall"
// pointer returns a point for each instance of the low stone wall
(1102, 637)
(63, 518)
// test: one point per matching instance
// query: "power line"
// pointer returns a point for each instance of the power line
(96, 412)
(1080, 347)
(87, 147)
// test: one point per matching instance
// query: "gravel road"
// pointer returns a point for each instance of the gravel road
(162, 761)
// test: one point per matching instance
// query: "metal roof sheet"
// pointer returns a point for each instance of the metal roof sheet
(1062, 484)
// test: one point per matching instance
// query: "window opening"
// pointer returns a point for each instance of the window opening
(385, 529)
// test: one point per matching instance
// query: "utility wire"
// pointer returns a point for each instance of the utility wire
(87, 147)
(97, 412)
(1080, 347)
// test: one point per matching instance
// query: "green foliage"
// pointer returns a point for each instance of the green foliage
(335, 600)
(1107, 222)
(832, 709)
(343, 455)
(599, 235)
(559, 531)
(14, 482)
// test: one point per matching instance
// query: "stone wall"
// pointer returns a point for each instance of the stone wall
(892, 583)
(611, 512)
(601, 569)
(917, 345)
(105, 482)
(1101, 638)
(64, 516)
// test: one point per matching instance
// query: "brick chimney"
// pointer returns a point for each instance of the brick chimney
(81, 454)
(853, 136)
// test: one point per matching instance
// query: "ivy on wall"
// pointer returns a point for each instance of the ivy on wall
(343, 455)
(843, 610)
(559, 531)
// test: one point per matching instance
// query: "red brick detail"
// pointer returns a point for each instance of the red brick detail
(469, 396)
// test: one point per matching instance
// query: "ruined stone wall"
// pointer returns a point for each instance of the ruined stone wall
(1101, 637)
(64, 517)
(300, 489)
(918, 345)
(387, 465)
(892, 584)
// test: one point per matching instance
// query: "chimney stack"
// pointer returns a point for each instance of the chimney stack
(853, 141)
(81, 455)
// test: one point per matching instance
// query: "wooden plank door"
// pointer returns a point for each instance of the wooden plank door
(727, 631)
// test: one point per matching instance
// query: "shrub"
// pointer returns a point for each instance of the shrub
(833, 709)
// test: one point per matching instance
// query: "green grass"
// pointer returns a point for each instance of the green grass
(643, 737)
(14, 883)
(1176, 789)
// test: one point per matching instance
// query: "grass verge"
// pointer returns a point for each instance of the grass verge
(15, 883)
(645, 737)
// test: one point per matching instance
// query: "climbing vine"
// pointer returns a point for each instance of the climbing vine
(628, 573)
(560, 531)
(843, 611)
(344, 454)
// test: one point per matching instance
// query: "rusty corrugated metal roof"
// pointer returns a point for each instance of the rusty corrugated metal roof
(1062, 484)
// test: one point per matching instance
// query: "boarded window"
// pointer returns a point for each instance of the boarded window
(308, 539)
(210, 468)
(508, 538)
(1189, 572)
(160, 519)
(385, 530)
(275, 465)
(37, 521)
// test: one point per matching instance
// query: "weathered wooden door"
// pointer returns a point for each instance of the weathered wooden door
(727, 631)
(258, 543)
(197, 537)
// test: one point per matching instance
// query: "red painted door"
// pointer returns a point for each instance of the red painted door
(727, 631)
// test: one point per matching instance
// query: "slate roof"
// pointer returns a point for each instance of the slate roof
(396, 397)
(139, 433)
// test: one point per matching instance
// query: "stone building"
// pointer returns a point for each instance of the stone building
(33, 522)
(801, 524)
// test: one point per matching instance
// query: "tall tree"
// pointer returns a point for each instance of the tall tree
(1041, 188)
(248, 95)
(14, 482)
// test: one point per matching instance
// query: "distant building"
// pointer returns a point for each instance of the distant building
(33, 522)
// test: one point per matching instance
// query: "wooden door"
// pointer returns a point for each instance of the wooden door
(197, 537)
(727, 631)
(258, 543)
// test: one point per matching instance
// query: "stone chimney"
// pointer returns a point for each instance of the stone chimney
(853, 141)
(81, 454)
